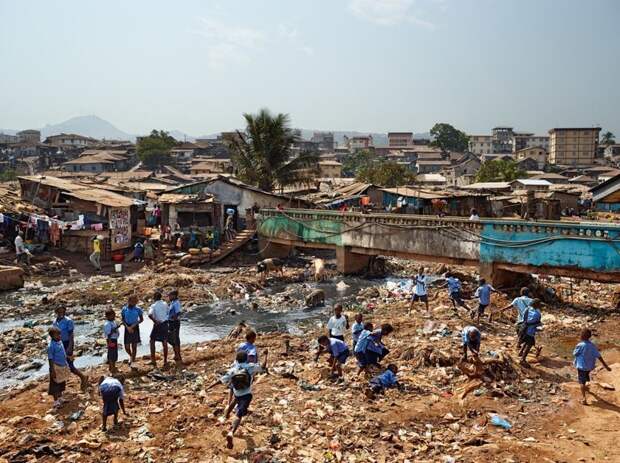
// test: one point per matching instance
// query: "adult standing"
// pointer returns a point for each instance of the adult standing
(174, 324)
(95, 257)
(21, 253)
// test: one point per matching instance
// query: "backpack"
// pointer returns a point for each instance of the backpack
(240, 378)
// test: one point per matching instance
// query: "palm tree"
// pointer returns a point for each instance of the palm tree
(263, 156)
(608, 138)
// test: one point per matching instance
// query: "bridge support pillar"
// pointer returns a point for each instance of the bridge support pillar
(349, 262)
(500, 277)
(269, 249)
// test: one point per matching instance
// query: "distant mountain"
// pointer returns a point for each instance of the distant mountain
(89, 126)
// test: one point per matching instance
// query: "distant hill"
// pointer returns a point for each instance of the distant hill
(89, 126)
(94, 126)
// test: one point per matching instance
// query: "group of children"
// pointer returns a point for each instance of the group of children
(366, 345)
(166, 328)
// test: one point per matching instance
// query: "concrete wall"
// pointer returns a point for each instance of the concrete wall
(582, 250)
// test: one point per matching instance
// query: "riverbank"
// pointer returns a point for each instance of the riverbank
(442, 414)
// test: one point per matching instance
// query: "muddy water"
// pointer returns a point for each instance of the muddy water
(205, 322)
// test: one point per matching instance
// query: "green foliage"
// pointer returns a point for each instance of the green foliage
(499, 170)
(448, 138)
(387, 174)
(354, 161)
(262, 154)
(8, 175)
(608, 138)
(154, 150)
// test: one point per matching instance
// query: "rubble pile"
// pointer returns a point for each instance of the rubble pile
(19, 346)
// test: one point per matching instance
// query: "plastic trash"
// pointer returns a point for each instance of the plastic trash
(342, 286)
(497, 420)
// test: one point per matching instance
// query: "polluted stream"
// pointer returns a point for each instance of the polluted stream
(204, 322)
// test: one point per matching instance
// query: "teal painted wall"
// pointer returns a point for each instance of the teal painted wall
(315, 231)
(584, 252)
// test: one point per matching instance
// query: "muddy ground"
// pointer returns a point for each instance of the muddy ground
(440, 415)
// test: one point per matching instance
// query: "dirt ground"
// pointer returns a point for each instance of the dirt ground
(299, 414)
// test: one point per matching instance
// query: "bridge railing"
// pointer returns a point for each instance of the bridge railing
(602, 230)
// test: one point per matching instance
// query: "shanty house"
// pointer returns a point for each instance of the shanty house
(85, 211)
(606, 196)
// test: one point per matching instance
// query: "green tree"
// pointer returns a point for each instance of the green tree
(154, 150)
(9, 175)
(262, 154)
(499, 170)
(387, 174)
(448, 138)
(608, 138)
(354, 161)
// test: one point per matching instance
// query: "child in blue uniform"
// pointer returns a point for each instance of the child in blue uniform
(66, 327)
(110, 330)
(385, 380)
(338, 351)
(585, 354)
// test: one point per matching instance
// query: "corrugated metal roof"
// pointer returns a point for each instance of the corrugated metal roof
(488, 186)
(411, 193)
(532, 182)
(177, 198)
(105, 197)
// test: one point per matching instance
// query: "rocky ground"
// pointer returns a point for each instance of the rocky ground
(442, 413)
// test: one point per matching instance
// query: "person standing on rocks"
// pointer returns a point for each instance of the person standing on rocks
(527, 337)
(21, 253)
(95, 257)
(59, 370)
(158, 313)
(66, 327)
(174, 324)
(132, 316)
(420, 292)
(110, 330)
(337, 324)
(454, 291)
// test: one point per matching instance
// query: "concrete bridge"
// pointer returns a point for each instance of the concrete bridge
(500, 248)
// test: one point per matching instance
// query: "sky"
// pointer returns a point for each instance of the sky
(366, 65)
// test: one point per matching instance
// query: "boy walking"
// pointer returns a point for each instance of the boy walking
(174, 324)
(65, 326)
(527, 335)
(158, 313)
(420, 292)
(111, 332)
(132, 316)
(454, 291)
(59, 370)
(520, 304)
(338, 352)
(585, 354)
(240, 377)
(337, 324)
(113, 396)
(483, 293)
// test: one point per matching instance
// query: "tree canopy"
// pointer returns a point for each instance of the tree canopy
(499, 170)
(608, 138)
(355, 161)
(387, 174)
(154, 150)
(448, 138)
(262, 154)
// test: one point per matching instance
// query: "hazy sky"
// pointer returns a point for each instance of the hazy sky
(368, 65)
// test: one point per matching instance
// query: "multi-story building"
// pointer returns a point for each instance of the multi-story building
(573, 146)
(358, 143)
(524, 140)
(29, 136)
(501, 139)
(480, 144)
(70, 139)
(6, 138)
(325, 140)
(400, 139)
(536, 153)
